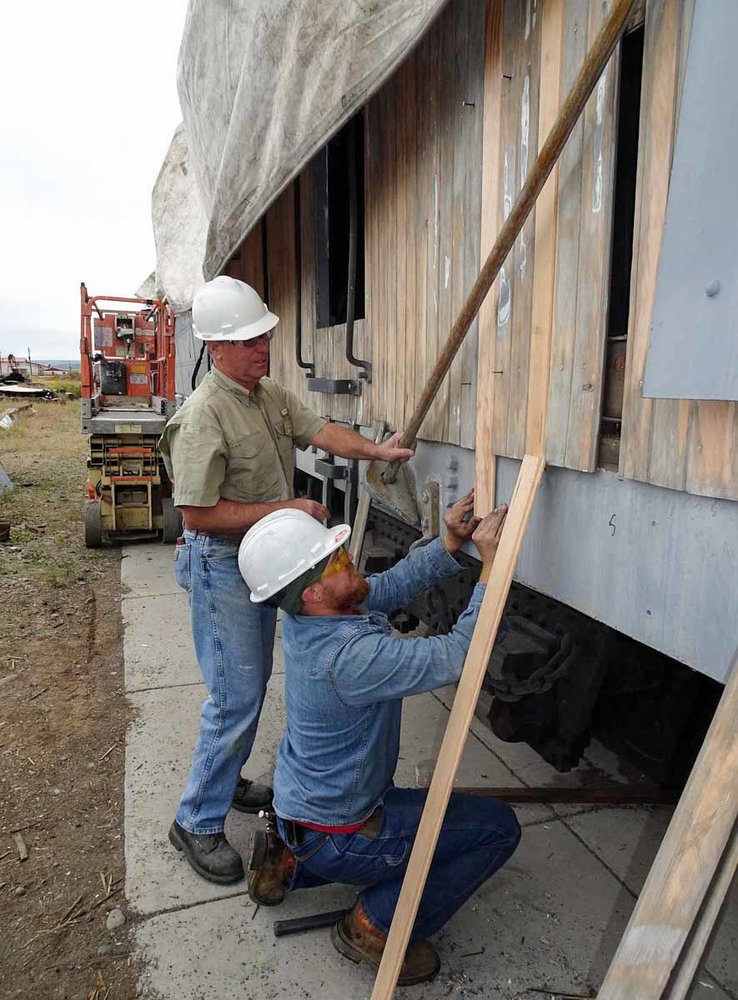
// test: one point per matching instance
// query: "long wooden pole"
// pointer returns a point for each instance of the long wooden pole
(459, 721)
(681, 882)
(568, 116)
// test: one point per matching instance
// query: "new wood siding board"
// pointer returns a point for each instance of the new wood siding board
(447, 122)
(371, 254)
(712, 467)
(434, 423)
(472, 145)
(595, 231)
(576, 23)
(509, 122)
(528, 97)
(452, 276)
(402, 334)
(544, 275)
(422, 205)
(490, 214)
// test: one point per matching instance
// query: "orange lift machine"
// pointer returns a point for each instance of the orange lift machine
(127, 368)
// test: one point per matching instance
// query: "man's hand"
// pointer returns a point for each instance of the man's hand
(389, 450)
(460, 523)
(486, 537)
(311, 507)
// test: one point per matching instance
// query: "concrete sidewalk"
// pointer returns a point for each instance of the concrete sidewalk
(549, 922)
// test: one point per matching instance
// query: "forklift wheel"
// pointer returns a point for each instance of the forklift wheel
(93, 525)
(171, 522)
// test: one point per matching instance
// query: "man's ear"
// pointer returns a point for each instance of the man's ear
(312, 594)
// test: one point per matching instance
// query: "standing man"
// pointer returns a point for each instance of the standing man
(229, 451)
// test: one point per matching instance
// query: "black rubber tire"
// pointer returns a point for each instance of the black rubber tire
(171, 521)
(93, 525)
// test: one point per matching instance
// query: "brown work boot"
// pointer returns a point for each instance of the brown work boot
(356, 938)
(270, 867)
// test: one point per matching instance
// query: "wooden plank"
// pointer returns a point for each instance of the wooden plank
(567, 242)
(484, 490)
(691, 957)
(389, 245)
(451, 283)
(544, 275)
(509, 127)
(449, 756)
(593, 276)
(407, 241)
(713, 449)
(524, 253)
(434, 424)
(402, 333)
(473, 119)
(679, 882)
(371, 253)
(658, 119)
(422, 217)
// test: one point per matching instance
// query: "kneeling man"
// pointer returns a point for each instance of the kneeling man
(339, 815)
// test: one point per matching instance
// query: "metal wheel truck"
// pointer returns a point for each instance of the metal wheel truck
(127, 374)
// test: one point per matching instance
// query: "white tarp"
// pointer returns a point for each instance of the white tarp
(180, 225)
(263, 84)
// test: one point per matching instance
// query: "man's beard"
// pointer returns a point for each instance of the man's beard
(355, 595)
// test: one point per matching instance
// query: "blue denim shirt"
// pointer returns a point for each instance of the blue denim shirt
(345, 678)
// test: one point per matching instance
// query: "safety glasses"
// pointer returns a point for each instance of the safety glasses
(262, 338)
(338, 562)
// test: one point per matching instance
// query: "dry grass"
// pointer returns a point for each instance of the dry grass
(44, 453)
(63, 724)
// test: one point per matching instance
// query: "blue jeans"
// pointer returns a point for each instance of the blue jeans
(477, 838)
(233, 641)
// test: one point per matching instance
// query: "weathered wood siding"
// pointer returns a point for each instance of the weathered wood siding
(448, 141)
(558, 270)
(680, 444)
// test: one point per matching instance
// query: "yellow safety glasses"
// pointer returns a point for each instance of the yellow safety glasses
(339, 561)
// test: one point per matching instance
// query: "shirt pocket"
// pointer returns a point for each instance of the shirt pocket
(251, 462)
(283, 433)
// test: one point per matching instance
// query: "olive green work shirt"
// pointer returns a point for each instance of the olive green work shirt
(225, 441)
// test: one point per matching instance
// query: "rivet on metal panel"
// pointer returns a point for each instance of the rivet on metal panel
(712, 288)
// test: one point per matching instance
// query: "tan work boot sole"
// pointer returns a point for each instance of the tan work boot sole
(350, 950)
(262, 889)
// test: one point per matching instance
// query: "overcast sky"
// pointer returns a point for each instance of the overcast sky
(88, 106)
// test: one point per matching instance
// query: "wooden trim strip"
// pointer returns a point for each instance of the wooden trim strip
(680, 882)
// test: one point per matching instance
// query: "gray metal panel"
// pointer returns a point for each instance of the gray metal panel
(112, 421)
(187, 349)
(659, 565)
(694, 335)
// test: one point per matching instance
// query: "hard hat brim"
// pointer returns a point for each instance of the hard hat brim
(249, 332)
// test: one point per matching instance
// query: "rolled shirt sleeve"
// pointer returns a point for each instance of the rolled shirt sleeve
(198, 452)
(305, 423)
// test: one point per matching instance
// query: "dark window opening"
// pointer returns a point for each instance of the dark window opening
(626, 168)
(331, 175)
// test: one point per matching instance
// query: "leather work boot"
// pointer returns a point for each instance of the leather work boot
(358, 940)
(270, 867)
(250, 796)
(209, 854)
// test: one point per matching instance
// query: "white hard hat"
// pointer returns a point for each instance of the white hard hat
(228, 309)
(281, 547)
